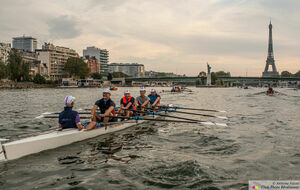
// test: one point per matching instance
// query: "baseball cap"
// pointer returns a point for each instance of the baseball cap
(152, 90)
(69, 99)
(106, 91)
(126, 91)
(142, 89)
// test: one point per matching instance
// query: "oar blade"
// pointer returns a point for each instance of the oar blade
(206, 123)
(222, 117)
(213, 123)
(40, 117)
(47, 113)
(221, 124)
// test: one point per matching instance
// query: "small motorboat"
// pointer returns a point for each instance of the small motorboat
(113, 89)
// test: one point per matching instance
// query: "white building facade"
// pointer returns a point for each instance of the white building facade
(55, 58)
(4, 52)
(131, 69)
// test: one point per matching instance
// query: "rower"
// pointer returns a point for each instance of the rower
(106, 107)
(69, 118)
(270, 90)
(154, 98)
(142, 101)
(127, 103)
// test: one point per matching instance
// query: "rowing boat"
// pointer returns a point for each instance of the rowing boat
(55, 138)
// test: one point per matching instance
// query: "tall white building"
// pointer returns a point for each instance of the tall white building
(55, 58)
(25, 43)
(102, 55)
(131, 69)
(4, 52)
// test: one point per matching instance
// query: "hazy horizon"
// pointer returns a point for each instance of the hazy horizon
(178, 36)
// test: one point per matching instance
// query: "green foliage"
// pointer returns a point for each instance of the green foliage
(223, 74)
(76, 67)
(219, 82)
(96, 76)
(200, 81)
(39, 79)
(297, 74)
(51, 82)
(161, 75)
(202, 73)
(17, 69)
(3, 70)
(109, 76)
(119, 75)
(286, 74)
(215, 77)
(25, 72)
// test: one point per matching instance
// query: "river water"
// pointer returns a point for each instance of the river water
(261, 142)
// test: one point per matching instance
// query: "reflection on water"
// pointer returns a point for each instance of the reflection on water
(262, 141)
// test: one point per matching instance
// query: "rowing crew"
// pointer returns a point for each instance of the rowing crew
(105, 108)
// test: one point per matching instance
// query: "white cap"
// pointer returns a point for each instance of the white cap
(152, 90)
(106, 91)
(126, 91)
(142, 89)
(69, 99)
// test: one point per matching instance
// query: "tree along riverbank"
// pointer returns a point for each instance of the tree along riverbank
(23, 85)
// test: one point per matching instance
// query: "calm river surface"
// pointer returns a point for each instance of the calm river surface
(262, 141)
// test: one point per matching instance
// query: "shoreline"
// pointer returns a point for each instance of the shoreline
(24, 85)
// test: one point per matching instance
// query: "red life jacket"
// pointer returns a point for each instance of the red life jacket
(114, 112)
(125, 101)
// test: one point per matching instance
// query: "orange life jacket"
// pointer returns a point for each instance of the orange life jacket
(125, 101)
(114, 112)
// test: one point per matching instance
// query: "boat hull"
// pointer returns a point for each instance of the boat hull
(54, 139)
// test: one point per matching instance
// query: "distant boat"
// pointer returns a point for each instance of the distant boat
(68, 83)
(113, 88)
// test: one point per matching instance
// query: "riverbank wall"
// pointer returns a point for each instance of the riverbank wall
(23, 85)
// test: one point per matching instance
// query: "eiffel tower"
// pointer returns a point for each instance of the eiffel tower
(270, 59)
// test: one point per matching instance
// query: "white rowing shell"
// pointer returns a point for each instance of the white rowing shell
(54, 139)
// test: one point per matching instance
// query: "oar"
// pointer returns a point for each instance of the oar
(197, 109)
(163, 120)
(188, 119)
(205, 115)
(153, 119)
(188, 113)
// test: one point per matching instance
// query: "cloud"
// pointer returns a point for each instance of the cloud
(63, 27)
(165, 35)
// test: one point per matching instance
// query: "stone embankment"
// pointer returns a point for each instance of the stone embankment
(23, 85)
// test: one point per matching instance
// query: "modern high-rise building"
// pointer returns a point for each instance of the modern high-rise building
(4, 52)
(131, 69)
(102, 55)
(270, 59)
(25, 43)
(55, 57)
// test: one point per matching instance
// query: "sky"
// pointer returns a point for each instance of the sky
(178, 36)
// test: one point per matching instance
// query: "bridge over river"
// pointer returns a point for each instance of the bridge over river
(227, 81)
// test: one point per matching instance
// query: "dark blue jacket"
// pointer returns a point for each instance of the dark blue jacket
(67, 118)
